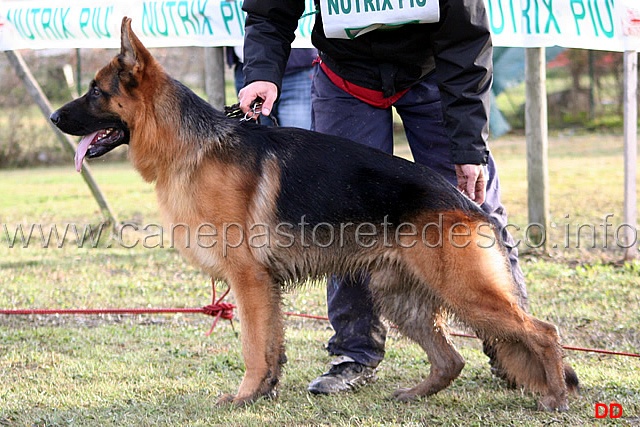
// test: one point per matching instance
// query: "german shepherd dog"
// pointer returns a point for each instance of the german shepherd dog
(281, 205)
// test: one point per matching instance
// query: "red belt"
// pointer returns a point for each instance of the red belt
(370, 96)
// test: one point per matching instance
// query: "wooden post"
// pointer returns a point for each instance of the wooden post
(630, 153)
(78, 72)
(33, 88)
(536, 131)
(214, 76)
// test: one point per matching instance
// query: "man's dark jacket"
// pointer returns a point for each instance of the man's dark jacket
(457, 48)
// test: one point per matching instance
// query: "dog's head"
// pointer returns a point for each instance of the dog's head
(102, 116)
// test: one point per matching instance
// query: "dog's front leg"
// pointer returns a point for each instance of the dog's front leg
(262, 334)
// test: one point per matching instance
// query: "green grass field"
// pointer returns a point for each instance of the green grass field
(161, 370)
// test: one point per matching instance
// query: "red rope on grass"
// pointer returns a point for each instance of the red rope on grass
(218, 309)
(458, 334)
(48, 312)
(601, 351)
(223, 310)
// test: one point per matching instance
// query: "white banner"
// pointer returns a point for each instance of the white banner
(587, 24)
(36, 24)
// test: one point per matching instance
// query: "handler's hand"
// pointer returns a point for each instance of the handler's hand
(471, 182)
(267, 91)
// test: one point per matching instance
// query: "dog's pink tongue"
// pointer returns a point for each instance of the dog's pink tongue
(81, 151)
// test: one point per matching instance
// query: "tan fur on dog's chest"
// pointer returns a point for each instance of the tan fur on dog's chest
(207, 213)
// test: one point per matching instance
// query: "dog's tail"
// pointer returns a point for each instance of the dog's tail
(517, 365)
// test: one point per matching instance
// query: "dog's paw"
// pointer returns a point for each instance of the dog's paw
(405, 395)
(225, 399)
(553, 404)
(240, 401)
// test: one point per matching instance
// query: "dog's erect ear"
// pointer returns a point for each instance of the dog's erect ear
(134, 56)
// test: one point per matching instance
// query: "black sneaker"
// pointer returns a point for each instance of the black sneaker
(345, 375)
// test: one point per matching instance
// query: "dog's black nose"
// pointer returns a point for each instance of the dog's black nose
(55, 117)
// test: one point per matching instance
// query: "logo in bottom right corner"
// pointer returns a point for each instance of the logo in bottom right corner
(611, 410)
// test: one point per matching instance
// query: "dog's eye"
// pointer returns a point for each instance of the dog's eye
(95, 91)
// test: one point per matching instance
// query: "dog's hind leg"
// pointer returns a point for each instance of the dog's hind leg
(262, 334)
(418, 316)
(475, 283)
(527, 349)
(471, 279)
(446, 363)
